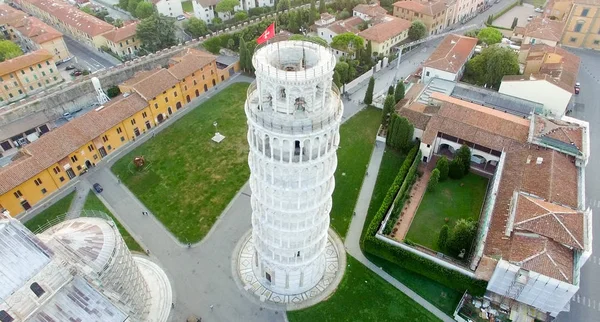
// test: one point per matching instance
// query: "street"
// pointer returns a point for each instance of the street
(585, 305)
(88, 58)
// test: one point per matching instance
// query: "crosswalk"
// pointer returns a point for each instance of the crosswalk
(582, 300)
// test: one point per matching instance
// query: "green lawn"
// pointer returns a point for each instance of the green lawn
(189, 180)
(363, 296)
(388, 169)
(357, 137)
(187, 6)
(93, 203)
(448, 200)
(54, 211)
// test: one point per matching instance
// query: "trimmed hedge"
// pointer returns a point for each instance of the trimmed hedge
(503, 11)
(411, 177)
(404, 258)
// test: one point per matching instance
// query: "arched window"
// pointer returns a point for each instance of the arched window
(5, 317)
(37, 289)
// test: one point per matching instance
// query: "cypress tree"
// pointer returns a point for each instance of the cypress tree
(388, 108)
(389, 140)
(391, 90)
(243, 53)
(369, 93)
(322, 6)
(312, 14)
(399, 93)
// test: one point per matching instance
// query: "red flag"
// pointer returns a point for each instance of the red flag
(268, 34)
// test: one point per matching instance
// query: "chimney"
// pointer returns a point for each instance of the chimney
(528, 159)
(539, 160)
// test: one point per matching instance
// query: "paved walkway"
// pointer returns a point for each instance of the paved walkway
(410, 209)
(356, 226)
(83, 188)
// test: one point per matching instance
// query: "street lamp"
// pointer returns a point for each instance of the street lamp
(215, 124)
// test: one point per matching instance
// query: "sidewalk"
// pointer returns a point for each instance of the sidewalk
(353, 238)
(81, 193)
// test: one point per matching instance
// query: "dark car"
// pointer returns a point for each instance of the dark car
(70, 67)
(577, 88)
(98, 188)
(76, 73)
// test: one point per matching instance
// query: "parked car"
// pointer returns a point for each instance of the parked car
(70, 67)
(577, 88)
(76, 73)
(67, 59)
(68, 116)
(180, 17)
(540, 9)
(98, 188)
(530, 18)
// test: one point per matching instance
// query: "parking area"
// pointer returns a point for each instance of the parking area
(520, 12)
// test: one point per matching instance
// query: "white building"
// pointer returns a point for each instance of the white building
(77, 270)
(294, 113)
(549, 77)
(205, 9)
(449, 58)
(327, 29)
(169, 8)
(542, 30)
(465, 9)
(368, 11)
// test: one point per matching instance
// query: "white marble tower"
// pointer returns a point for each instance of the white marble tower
(294, 113)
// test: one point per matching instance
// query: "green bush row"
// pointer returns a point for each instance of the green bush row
(409, 260)
(505, 10)
(497, 27)
(392, 191)
(404, 192)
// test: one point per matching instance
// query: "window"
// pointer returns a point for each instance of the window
(91, 147)
(47, 81)
(39, 84)
(47, 63)
(37, 289)
(578, 26)
(20, 92)
(95, 157)
(5, 317)
(31, 87)
(5, 87)
(109, 147)
(156, 106)
(585, 12)
(132, 121)
(144, 114)
(119, 130)
(37, 181)
(74, 158)
(175, 94)
(43, 73)
(105, 138)
(122, 139)
(27, 79)
(10, 95)
(56, 170)
(78, 168)
(31, 68)
(44, 191)
(596, 42)
(55, 78)
(22, 72)
(51, 71)
(39, 66)
(18, 194)
(166, 100)
(573, 39)
(61, 179)
(195, 82)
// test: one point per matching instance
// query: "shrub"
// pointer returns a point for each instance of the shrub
(403, 193)
(463, 155)
(462, 237)
(442, 166)
(390, 90)
(113, 91)
(456, 170)
(369, 93)
(433, 180)
(399, 91)
(443, 237)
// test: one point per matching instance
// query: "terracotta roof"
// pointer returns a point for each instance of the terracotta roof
(370, 10)
(8, 14)
(418, 120)
(153, 82)
(543, 28)
(23, 61)
(119, 34)
(348, 25)
(386, 28)
(59, 143)
(542, 255)
(559, 130)
(189, 61)
(424, 7)
(37, 30)
(452, 53)
(72, 16)
(560, 223)
(519, 30)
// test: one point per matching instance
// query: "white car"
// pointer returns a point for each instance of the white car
(180, 17)
(530, 18)
(539, 10)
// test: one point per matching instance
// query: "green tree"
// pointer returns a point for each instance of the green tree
(313, 14)
(367, 54)
(283, 5)
(472, 33)
(514, 23)
(433, 179)
(369, 93)
(250, 52)
(462, 236)
(348, 42)
(456, 170)
(489, 35)
(231, 43)
(294, 22)
(195, 27)
(217, 21)
(156, 32)
(123, 4)
(144, 10)
(118, 23)
(490, 20)
(243, 52)
(463, 155)
(417, 30)
(322, 8)
(491, 65)
(344, 14)
(132, 5)
(227, 6)
(342, 68)
(336, 79)
(240, 16)
(390, 90)
(388, 109)
(442, 165)
(443, 237)
(9, 49)
(475, 69)
(87, 10)
(391, 131)
(399, 92)
(402, 133)
(113, 91)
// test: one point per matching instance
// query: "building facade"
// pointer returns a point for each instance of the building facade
(386, 32)
(435, 15)
(205, 9)
(449, 58)
(169, 8)
(294, 113)
(122, 41)
(583, 25)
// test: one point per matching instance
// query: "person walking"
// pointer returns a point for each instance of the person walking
(211, 307)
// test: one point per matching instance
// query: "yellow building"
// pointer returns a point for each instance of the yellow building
(387, 32)
(558, 9)
(583, 25)
(436, 15)
(31, 33)
(27, 74)
(59, 156)
(196, 71)
(122, 41)
(160, 88)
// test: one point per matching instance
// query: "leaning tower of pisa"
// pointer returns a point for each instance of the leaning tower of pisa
(294, 113)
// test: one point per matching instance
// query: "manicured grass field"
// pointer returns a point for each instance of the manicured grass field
(448, 200)
(189, 180)
(187, 6)
(388, 169)
(357, 137)
(56, 210)
(363, 296)
(93, 203)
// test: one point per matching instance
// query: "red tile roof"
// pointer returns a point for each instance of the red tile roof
(371, 10)
(386, 27)
(151, 83)
(452, 53)
(424, 7)
(189, 61)
(30, 27)
(24, 61)
(122, 33)
(55, 145)
(544, 28)
(347, 25)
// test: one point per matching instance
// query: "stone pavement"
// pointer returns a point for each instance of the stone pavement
(81, 193)
(410, 208)
(353, 237)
